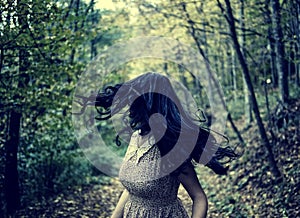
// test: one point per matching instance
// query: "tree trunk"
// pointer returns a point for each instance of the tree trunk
(204, 42)
(297, 51)
(221, 58)
(273, 60)
(234, 76)
(295, 7)
(292, 60)
(12, 195)
(265, 84)
(230, 19)
(247, 102)
(77, 4)
(222, 68)
(229, 68)
(94, 51)
(281, 62)
(271, 45)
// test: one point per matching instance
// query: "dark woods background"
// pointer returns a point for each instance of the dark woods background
(253, 45)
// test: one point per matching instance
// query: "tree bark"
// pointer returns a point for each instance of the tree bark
(12, 195)
(230, 20)
(281, 62)
(94, 51)
(298, 43)
(297, 51)
(295, 29)
(233, 72)
(271, 44)
(247, 101)
(75, 30)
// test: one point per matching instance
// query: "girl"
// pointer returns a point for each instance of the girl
(164, 142)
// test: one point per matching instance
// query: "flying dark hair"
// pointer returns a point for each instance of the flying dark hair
(150, 94)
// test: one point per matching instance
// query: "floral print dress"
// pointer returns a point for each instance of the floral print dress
(150, 195)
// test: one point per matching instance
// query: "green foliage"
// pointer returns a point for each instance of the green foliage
(45, 46)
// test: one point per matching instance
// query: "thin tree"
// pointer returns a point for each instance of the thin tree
(281, 62)
(192, 29)
(247, 102)
(12, 194)
(231, 22)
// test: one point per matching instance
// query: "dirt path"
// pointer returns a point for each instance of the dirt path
(91, 201)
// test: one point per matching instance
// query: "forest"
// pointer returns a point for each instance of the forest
(251, 49)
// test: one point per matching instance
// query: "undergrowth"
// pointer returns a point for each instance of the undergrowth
(250, 189)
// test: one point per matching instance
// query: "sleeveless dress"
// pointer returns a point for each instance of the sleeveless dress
(150, 195)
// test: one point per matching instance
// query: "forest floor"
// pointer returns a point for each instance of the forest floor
(249, 190)
(90, 201)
